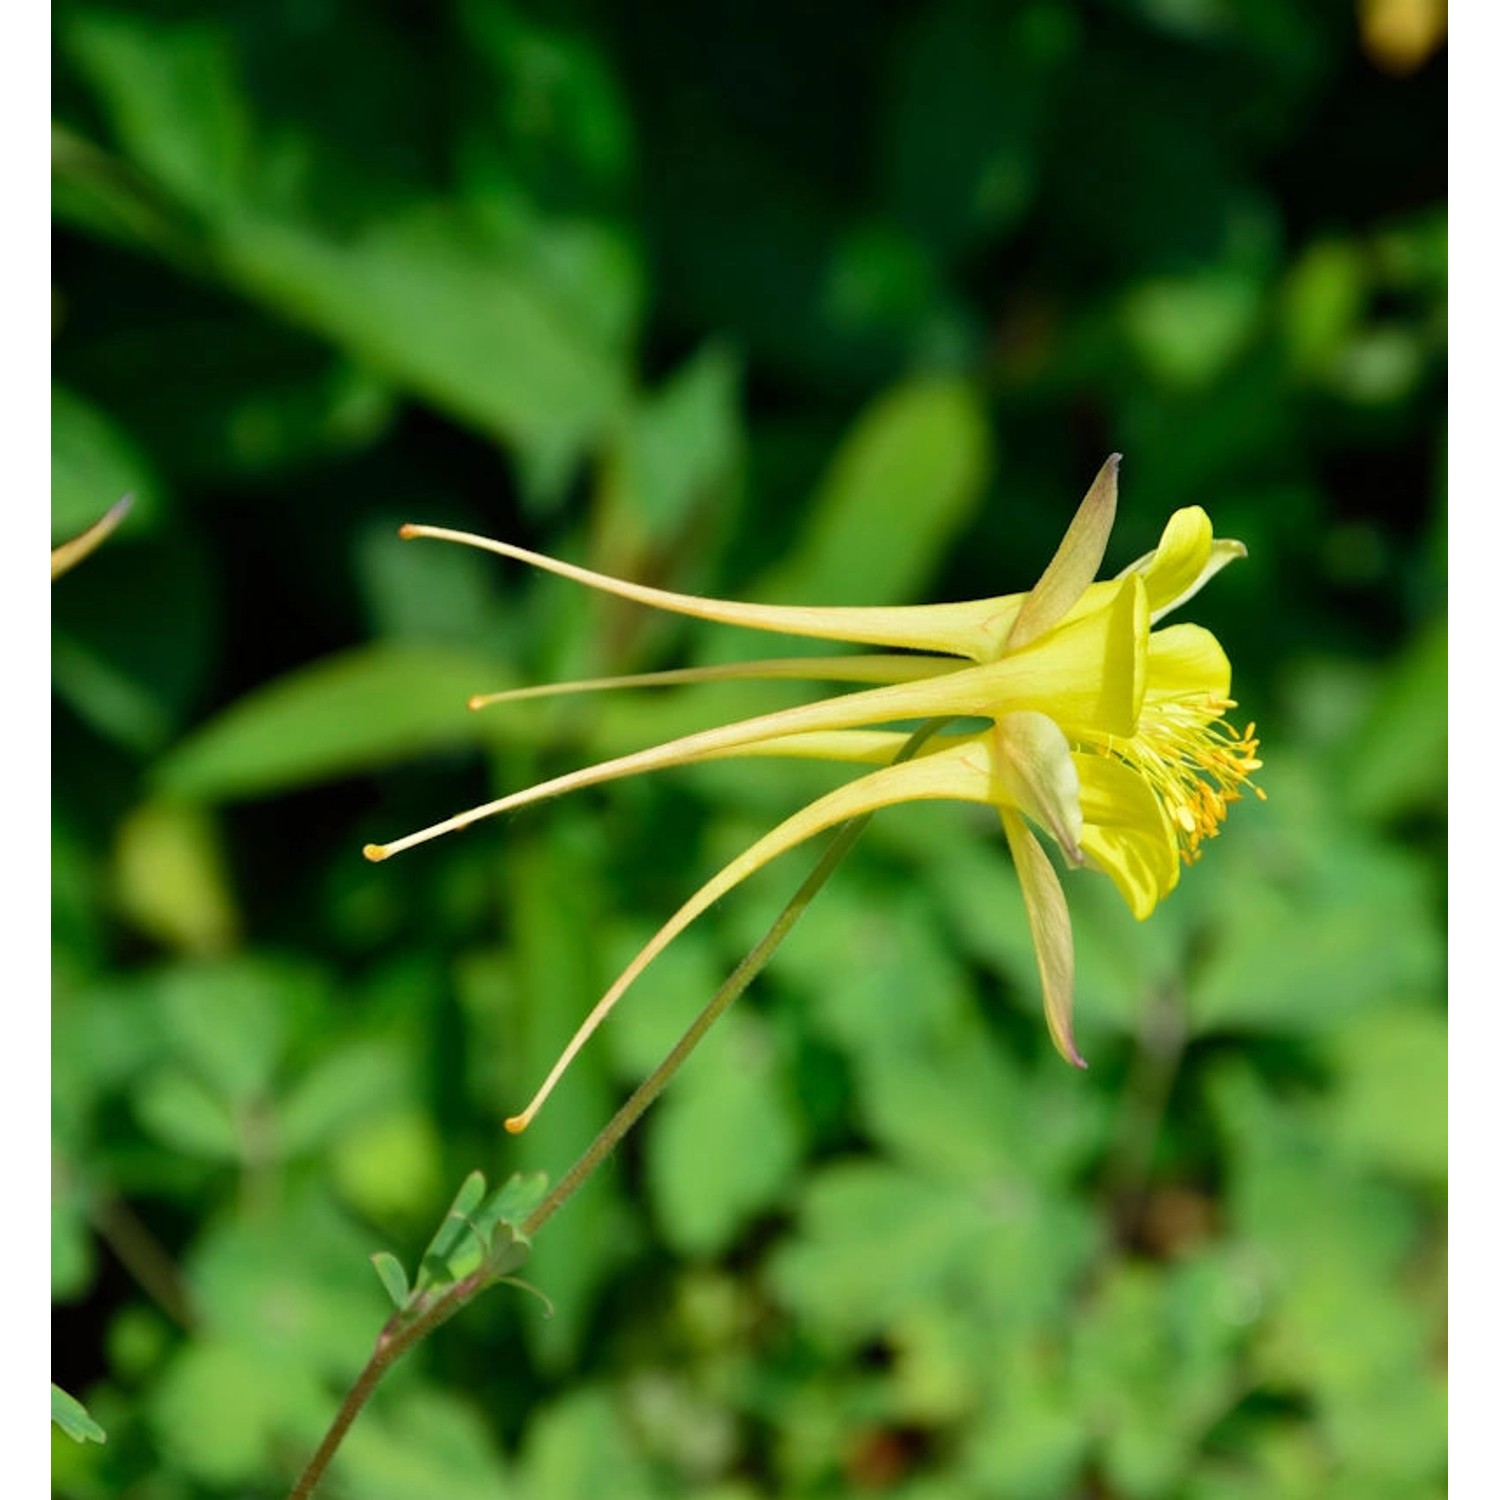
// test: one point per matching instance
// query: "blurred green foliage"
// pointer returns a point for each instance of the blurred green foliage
(833, 303)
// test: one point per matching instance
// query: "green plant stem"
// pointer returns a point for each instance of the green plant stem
(396, 1338)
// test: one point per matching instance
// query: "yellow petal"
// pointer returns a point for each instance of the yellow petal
(871, 747)
(1089, 674)
(1186, 661)
(793, 668)
(1035, 765)
(956, 774)
(1051, 931)
(1075, 564)
(1126, 832)
(1187, 557)
(964, 629)
(967, 692)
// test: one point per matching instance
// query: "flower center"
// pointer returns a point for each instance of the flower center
(1195, 761)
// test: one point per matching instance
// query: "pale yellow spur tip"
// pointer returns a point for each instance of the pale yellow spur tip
(477, 702)
(376, 852)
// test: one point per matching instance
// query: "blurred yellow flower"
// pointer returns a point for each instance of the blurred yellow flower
(1400, 35)
(1104, 733)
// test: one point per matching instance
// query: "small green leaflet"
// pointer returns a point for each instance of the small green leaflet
(475, 1231)
(69, 1413)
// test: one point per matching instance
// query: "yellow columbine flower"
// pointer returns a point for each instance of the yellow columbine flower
(1104, 733)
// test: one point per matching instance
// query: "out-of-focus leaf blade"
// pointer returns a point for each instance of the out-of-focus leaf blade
(344, 714)
(1399, 762)
(432, 305)
(901, 486)
(69, 1413)
(392, 1277)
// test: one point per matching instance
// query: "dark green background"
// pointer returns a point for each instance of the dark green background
(839, 304)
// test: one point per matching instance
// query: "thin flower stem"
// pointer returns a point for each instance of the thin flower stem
(394, 1340)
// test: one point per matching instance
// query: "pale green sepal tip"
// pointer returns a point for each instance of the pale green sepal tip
(1076, 563)
(1051, 931)
(1034, 762)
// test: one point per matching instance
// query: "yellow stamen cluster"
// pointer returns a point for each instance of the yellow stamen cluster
(1196, 763)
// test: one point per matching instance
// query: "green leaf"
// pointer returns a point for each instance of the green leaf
(874, 1242)
(108, 696)
(1032, 1441)
(228, 1020)
(72, 1240)
(725, 1143)
(1188, 329)
(426, 299)
(677, 987)
(905, 480)
(105, 1037)
(1340, 1326)
(344, 714)
(272, 400)
(174, 99)
(93, 464)
(512, 1202)
(170, 878)
(1321, 295)
(185, 1115)
(429, 1443)
(553, 896)
(389, 1166)
(217, 1410)
(286, 1289)
(455, 1236)
(1364, 911)
(135, 631)
(72, 1416)
(1388, 1106)
(357, 1081)
(962, 133)
(506, 1249)
(424, 593)
(579, 1446)
(392, 1277)
(1154, 1366)
(1398, 758)
(680, 446)
(478, 1231)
